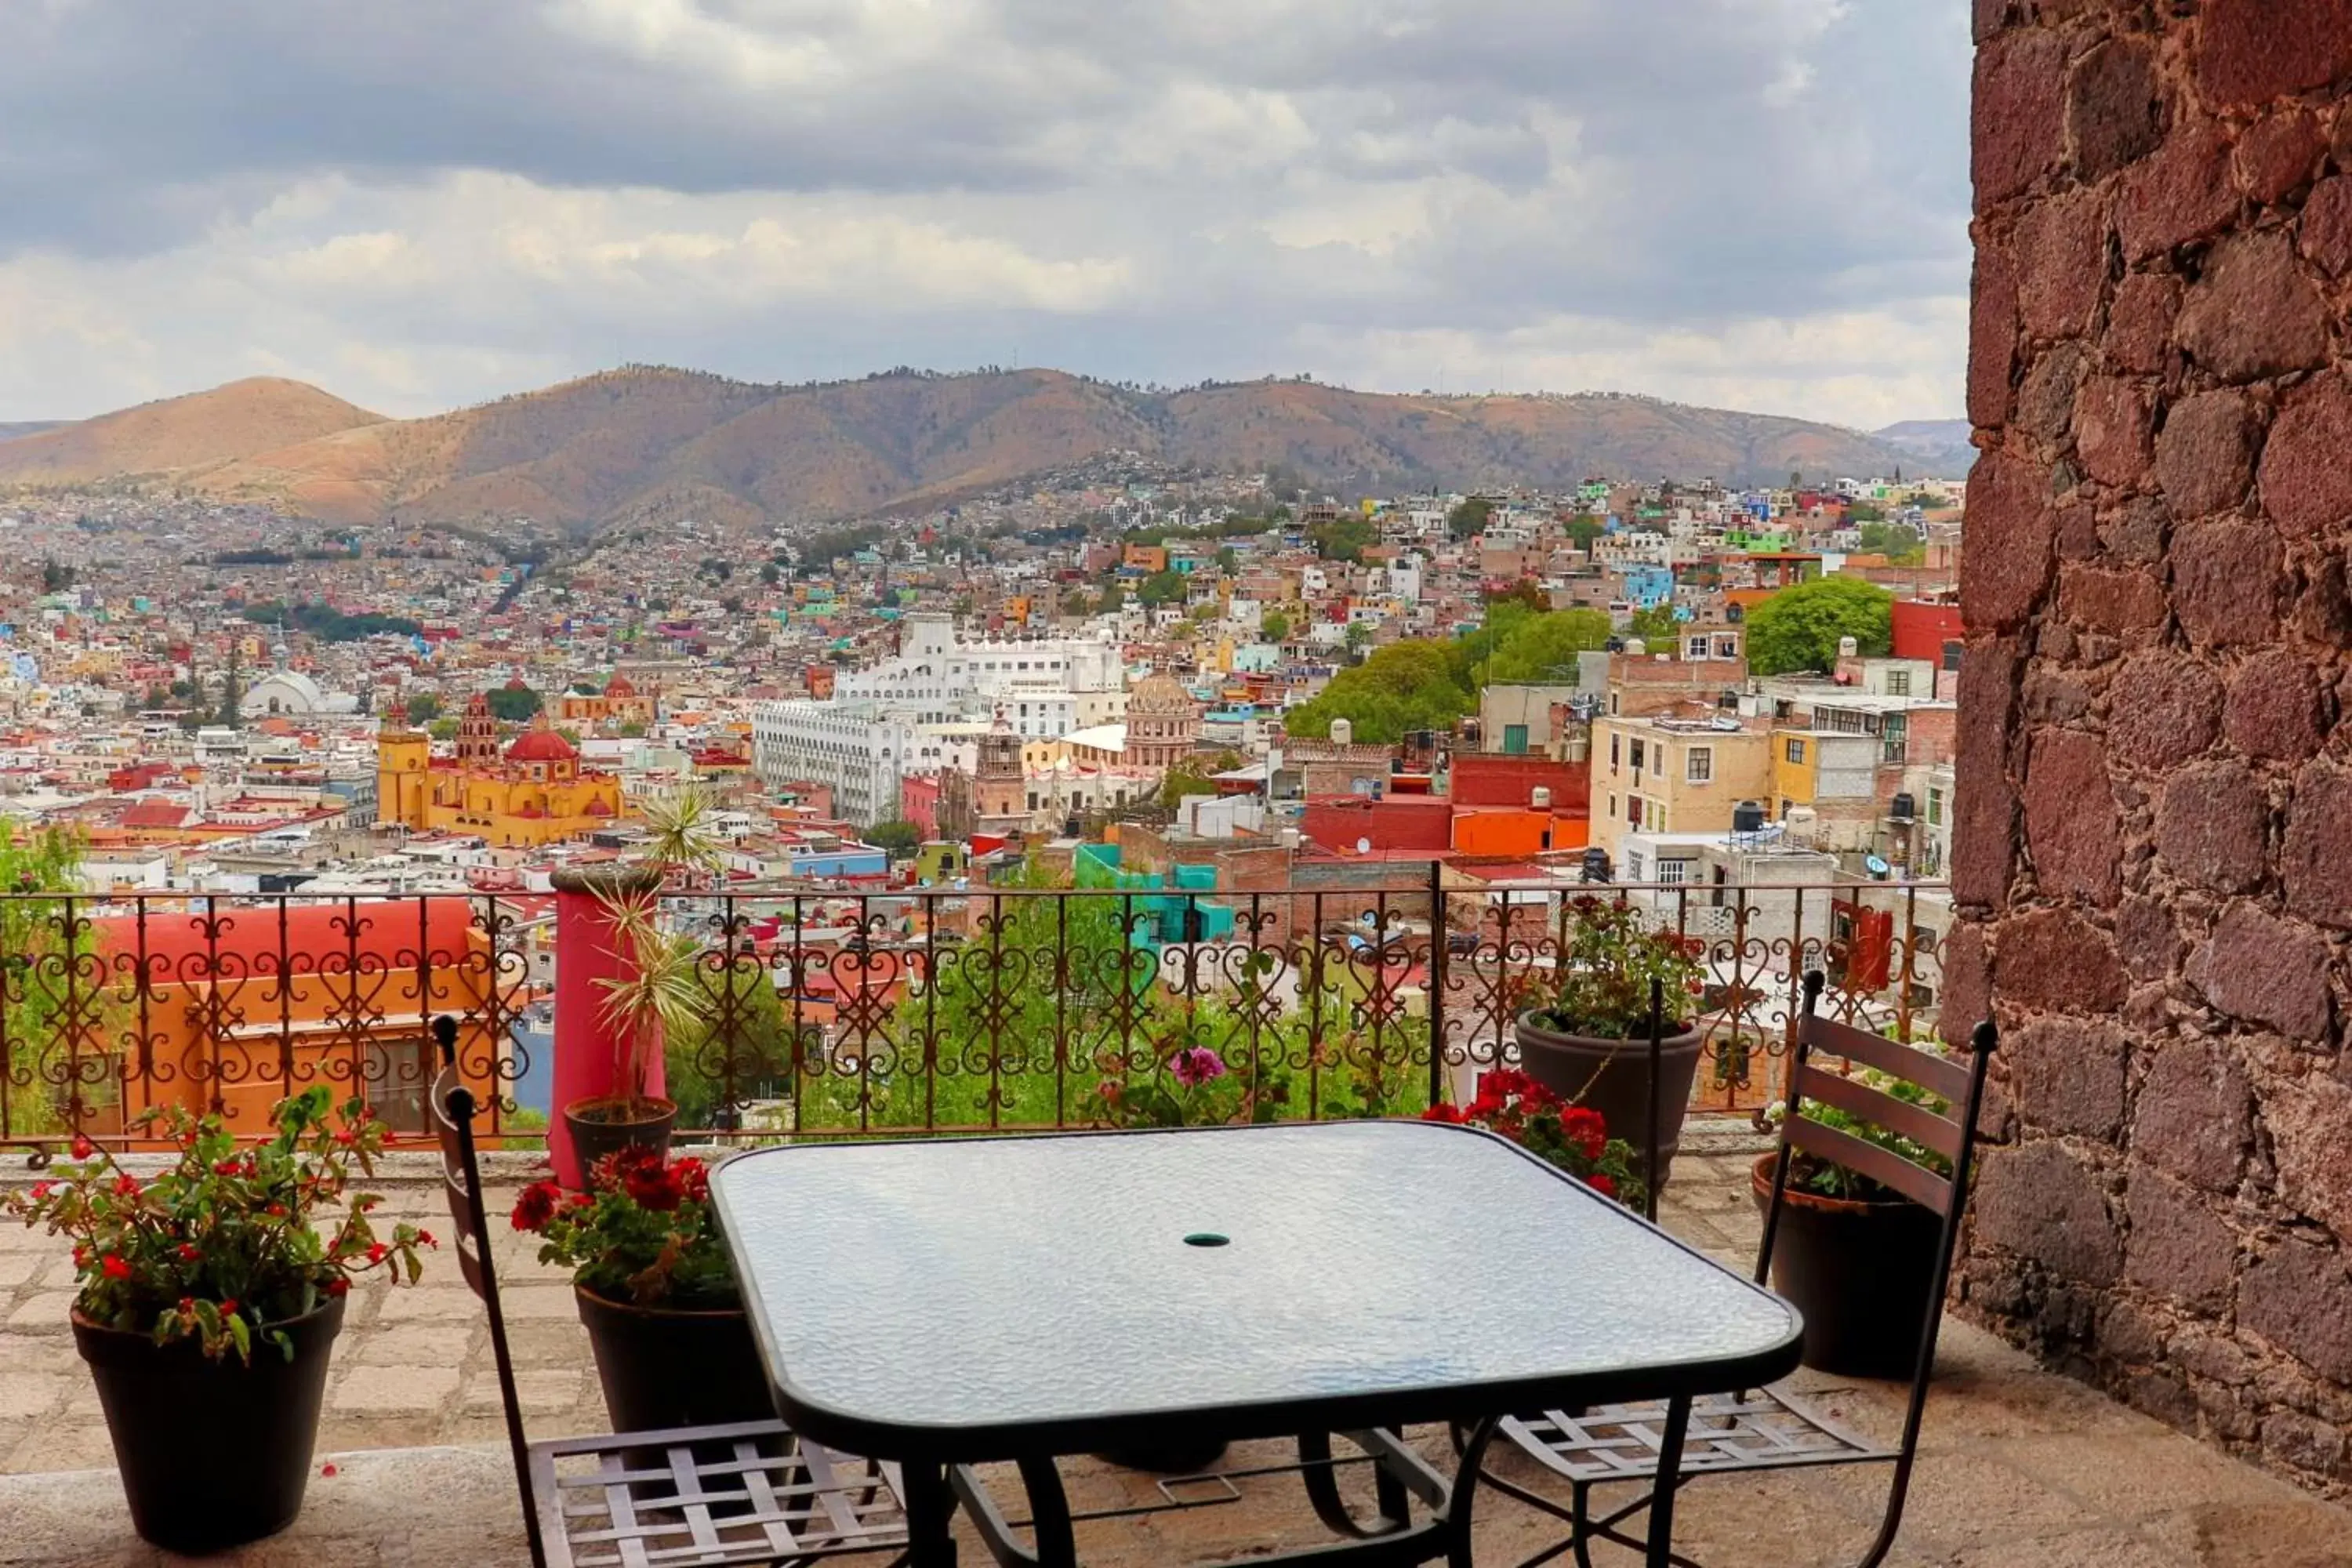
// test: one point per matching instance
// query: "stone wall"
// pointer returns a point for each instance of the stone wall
(2154, 824)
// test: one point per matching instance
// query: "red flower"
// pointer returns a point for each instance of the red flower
(339, 1286)
(115, 1267)
(228, 1307)
(42, 1190)
(375, 1251)
(1602, 1184)
(226, 1167)
(652, 1187)
(187, 1305)
(275, 1211)
(693, 1177)
(1447, 1113)
(1584, 1127)
(126, 1185)
(188, 1253)
(346, 1137)
(425, 1238)
(83, 1148)
(536, 1205)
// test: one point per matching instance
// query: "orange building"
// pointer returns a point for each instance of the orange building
(235, 1006)
(536, 793)
(618, 703)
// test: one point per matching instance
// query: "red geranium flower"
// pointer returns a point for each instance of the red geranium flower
(376, 1251)
(83, 1148)
(126, 1185)
(536, 1205)
(188, 1253)
(1606, 1186)
(653, 1187)
(115, 1267)
(339, 1286)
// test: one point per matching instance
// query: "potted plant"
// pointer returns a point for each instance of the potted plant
(1857, 1258)
(210, 1295)
(655, 1291)
(1573, 1137)
(655, 991)
(1589, 1040)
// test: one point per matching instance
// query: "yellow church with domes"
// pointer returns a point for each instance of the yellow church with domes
(534, 792)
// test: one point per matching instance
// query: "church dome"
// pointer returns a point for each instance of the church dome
(1159, 695)
(542, 744)
(619, 686)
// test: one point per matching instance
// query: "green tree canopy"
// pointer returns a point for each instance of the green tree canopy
(1655, 622)
(901, 838)
(423, 708)
(1343, 538)
(1468, 518)
(1897, 542)
(513, 704)
(1543, 648)
(1273, 626)
(1162, 588)
(1403, 687)
(1583, 529)
(1799, 628)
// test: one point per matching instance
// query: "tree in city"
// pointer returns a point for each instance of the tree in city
(1273, 626)
(1227, 561)
(232, 703)
(1543, 648)
(900, 838)
(1899, 542)
(1403, 687)
(770, 574)
(1077, 602)
(1113, 596)
(1344, 537)
(56, 578)
(423, 708)
(1193, 775)
(514, 704)
(1798, 628)
(1165, 588)
(1582, 530)
(1655, 626)
(1468, 520)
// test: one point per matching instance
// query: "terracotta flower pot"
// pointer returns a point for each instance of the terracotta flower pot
(661, 1368)
(1612, 1076)
(609, 1123)
(213, 1453)
(1860, 1272)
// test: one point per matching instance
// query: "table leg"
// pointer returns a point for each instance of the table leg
(929, 1507)
(1458, 1505)
(1668, 1482)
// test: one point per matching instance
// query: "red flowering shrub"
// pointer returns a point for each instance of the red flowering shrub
(223, 1246)
(644, 1233)
(1573, 1137)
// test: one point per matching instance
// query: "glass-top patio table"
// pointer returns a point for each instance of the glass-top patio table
(945, 1303)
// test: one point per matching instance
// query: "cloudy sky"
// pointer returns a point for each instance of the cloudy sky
(1758, 203)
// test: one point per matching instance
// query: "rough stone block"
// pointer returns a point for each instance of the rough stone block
(2324, 234)
(2037, 1202)
(2070, 816)
(2226, 580)
(2181, 193)
(2067, 1075)
(2019, 112)
(2113, 112)
(2139, 321)
(2248, 52)
(2253, 313)
(1993, 333)
(2212, 826)
(2053, 959)
(2205, 455)
(2298, 1296)
(2314, 859)
(2193, 1112)
(2062, 263)
(2179, 1247)
(2165, 709)
(2306, 483)
(2114, 429)
(2146, 937)
(2117, 604)
(2045, 399)
(2012, 526)
(2275, 706)
(2279, 152)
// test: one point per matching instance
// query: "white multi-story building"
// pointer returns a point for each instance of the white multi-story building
(936, 678)
(855, 749)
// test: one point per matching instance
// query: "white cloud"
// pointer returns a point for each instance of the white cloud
(1761, 203)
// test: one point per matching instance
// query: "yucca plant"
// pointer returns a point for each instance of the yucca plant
(655, 992)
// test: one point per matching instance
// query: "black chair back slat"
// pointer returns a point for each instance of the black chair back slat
(1856, 1097)
(1886, 1167)
(1940, 1074)
(452, 1110)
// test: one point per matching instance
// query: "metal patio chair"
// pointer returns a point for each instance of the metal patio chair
(750, 1492)
(1765, 1429)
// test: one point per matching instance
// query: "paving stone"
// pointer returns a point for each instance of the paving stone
(547, 1392)
(394, 1390)
(19, 1267)
(427, 1300)
(44, 1312)
(27, 1395)
(428, 1344)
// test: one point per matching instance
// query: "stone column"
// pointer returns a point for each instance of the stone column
(586, 950)
(2153, 827)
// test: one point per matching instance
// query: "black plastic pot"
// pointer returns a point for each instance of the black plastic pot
(1860, 1272)
(610, 1123)
(662, 1369)
(1612, 1076)
(213, 1453)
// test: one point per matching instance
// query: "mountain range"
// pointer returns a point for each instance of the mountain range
(648, 443)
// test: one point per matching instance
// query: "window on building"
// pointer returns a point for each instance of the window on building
(1727, 648)
(1796, 753)
(1654, 815)
(1694, 647)
(1612, 751)
(1698, 766)
(1515, 739)
(1634, 809)
(1612, 805)
(1637, 757)
(1935, 806)
(1674, 871)
(1898, 683)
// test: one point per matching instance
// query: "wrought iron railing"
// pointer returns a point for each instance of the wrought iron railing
(932, 1009)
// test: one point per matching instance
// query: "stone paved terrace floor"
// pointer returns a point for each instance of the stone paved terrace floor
(2021, 1467)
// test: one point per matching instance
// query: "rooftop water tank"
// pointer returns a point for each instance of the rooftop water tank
(1540, 799)
(1748, 816)
(1343, 732)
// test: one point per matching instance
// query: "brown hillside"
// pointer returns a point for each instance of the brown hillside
(640, 443)
(203, 428)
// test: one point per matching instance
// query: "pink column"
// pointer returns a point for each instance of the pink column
(585, 1065)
